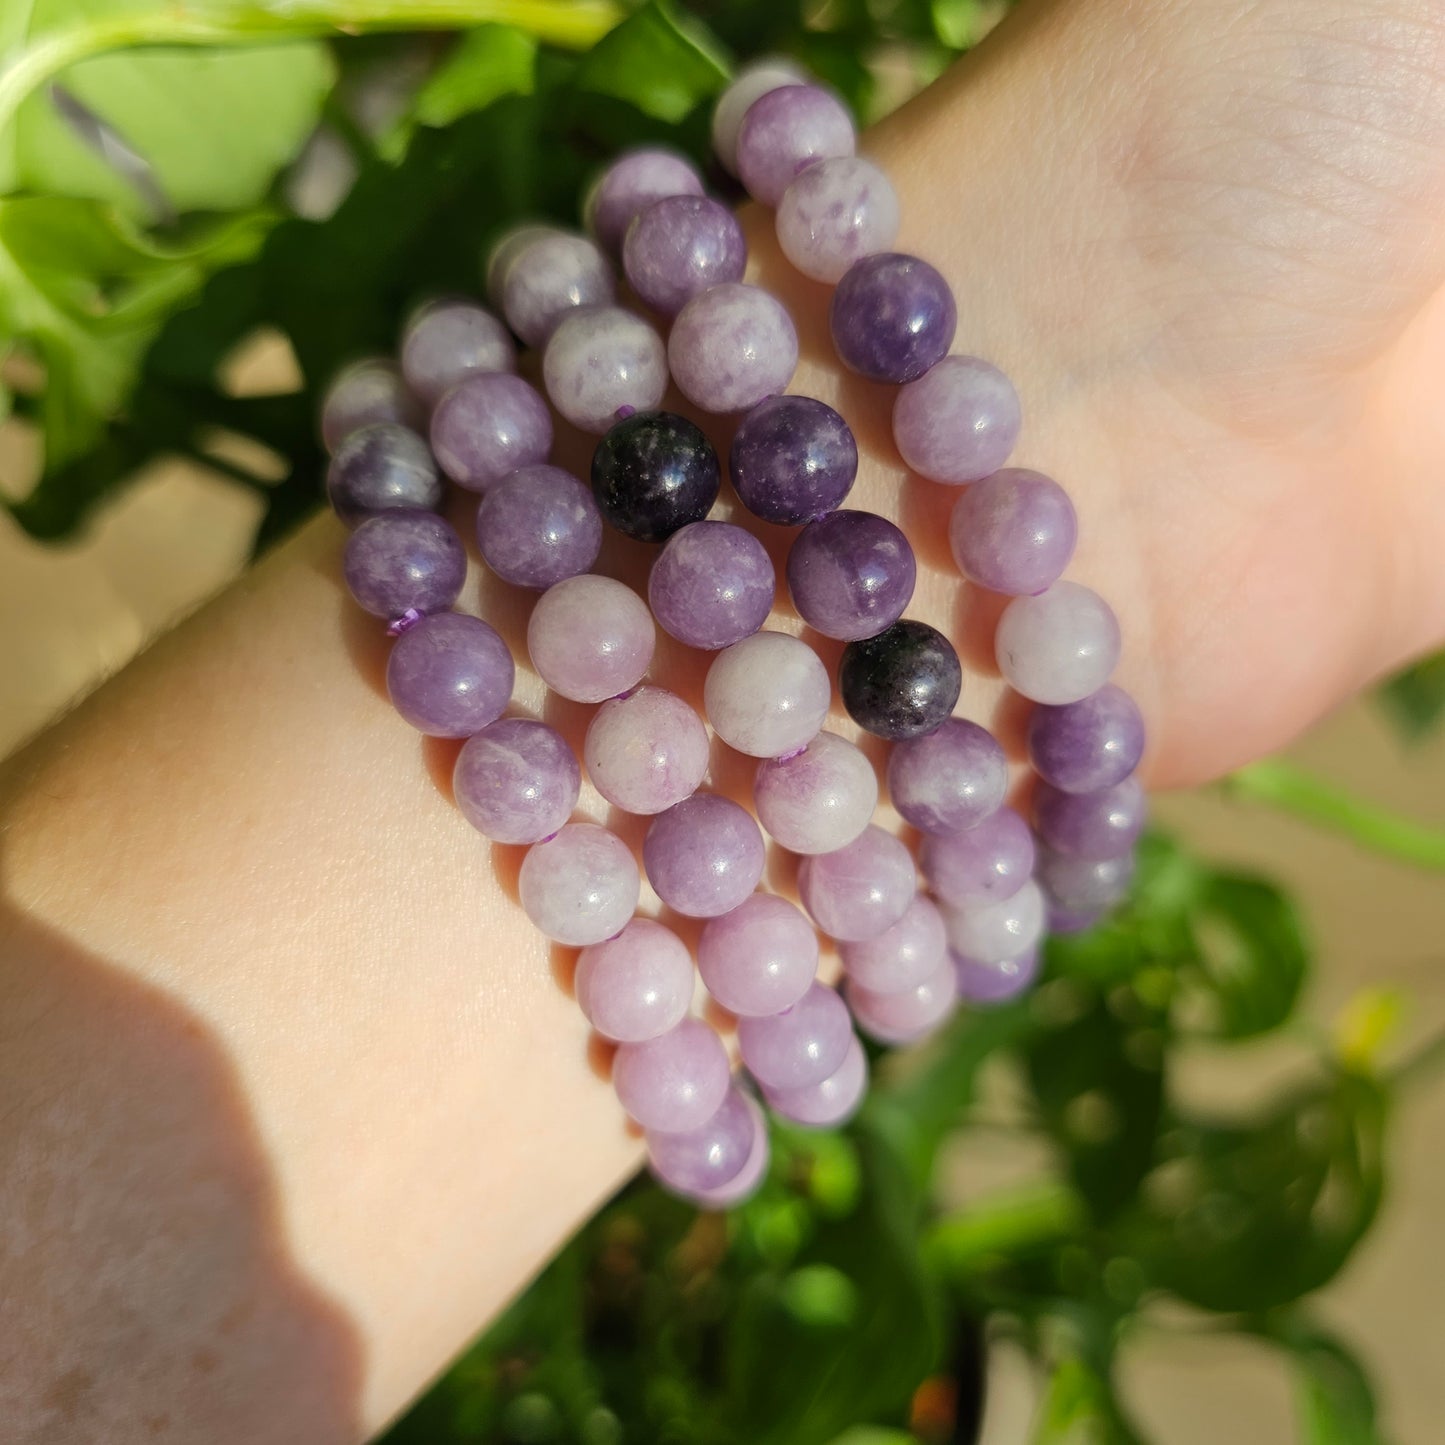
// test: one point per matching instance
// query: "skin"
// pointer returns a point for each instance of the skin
(294, 1096)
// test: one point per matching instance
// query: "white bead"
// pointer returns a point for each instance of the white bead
(600, 360)
(992, 932)
(835, 212)
(767, 695)
(1057, 647)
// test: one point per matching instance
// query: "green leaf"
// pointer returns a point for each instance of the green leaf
(1079, 1408)
(1414, 700)
(489, 62)
(663, 63)
(1333, 1396)
(873, 1435)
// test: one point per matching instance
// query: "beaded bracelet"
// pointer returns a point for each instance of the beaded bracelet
(732, 349)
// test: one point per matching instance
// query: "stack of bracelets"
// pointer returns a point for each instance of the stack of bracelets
(995, 884)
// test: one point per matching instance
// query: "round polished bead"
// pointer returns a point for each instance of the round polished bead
(382, 467)
(902, 683)
(949, 779)
(1057, 647)
(957, 422)
(602, 362)
(746, 1182)
(636, 180)
(448, 340)
(834, 213)
(986, 864)
(646, 751)
(555, 273)
(450, 675)
(362, 394)
(674, 1082)
(506, 248)
(793, 458)
(831, 1102)
(537, 526)
(680, 246)
(1013, 532)
(909, 1014)
(750, 83)
(995, 981)
(1085, 885)
(892, 317)
(1087, 745)
(653, 474)
(990, 932)
(709, 1157)
(637, 985)
(860, 891)
(851, 574)
(516, 781)
(1090, 825)
(901, 957)
(398, 562)
(580, 886)
(488, 425)
(760, 958)
(799, 1046)
(732, 346)
(767, 695)
(590, 638)
(786, 130)
(712, 585)
(704, 855)
(819, 799)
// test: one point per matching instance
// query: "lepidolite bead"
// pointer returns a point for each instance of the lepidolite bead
(818, 799)
(505, 249)
(674, 1082)
(678, 247)
(746, 1182)
(787, 130)
(800, 1046)
(537, 526)
(704, 855)
(986, 864)
(712, 585)
(382, 467)
(653, 474)
(599, 363)
(450, 675)
(636, 180)
(590, 638)
(516, 781)
(834, 213)
(487, 425)
(581, 886)
(830, 1102)
(749, 84)
(399, 562)
(997, 980)
(732, 346)
(707, 1157)
(949, 779)
(793, 458)
(860, 891)
(1057, 647)
(901, 957)
(364, 393)
(1090, 825)
(759, 958)
(992, 932)
(1013, 532)
(1083, 746)
(646, 751)
(958, 422)
(851, 574)
(767, 695)
(892, 317)
(902, 683)
(637, 985)
(448, 340)
(909, 1014)
(553, 274)
(1085, 885)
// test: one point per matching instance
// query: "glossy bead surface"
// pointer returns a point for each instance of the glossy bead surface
(767, 695)
(800, 1046)
(958, 422)
(636, 180)
(892, 317)
(991, 932)
(599, 363)
(760, 957)
(1083, 746)
(508, 245)
(1013, 532)
(1091, 825)
(901, 957)
(537, 526)
(379, 468)
(364, 393)
(704, 855)
(986, 864)
(902, 683)
(851, 574)
(590, 638)
(712, 585)
(653, 474)
(909, 1014)
(637, 985)
(787, 130)
(488, 425)
(860, 891)
(450, 675)
(831, 1102)
(1085, 885)
(1057, 647)
(398, 562)
(516, 781)
(819, 799)
(747, 1181)
(448, 340)
(995, 981)
(646, 751)
(949, 779)
(834, 213)
(793, 458)
(709, 1156)
(674, 1082)
(732, 346)
(555, 273)
(678, 247)
(581, 886)
(749, 84)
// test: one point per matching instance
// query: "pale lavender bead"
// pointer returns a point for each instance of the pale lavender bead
(731, 347)
(793, 458)
(581, 886)
(892, 317)
(680, 246)
(859, 891)
(750, 83)
(746, 1181)
(997, 980)
(1085, 885)
(831, 1102)
(1013, 532)
(786, 130)
(708, 1157)
(851, 574)
(767, 695)
(957, 422)
(985, 864)
(506, 248)
(674, 1082)
(1064, 921)
(362, 394)
(550, 276)
(383, 467)
(949, 779)
(488, 425)
(990, 932)
(910, 1014)
(590, 638)
(635, 180)
(1087, 745)
(802, 1045)
(1091, 825)
(646, 751)
(516, 781)
(704, 855)
(1057, 647)
(835, 212)
(712, 585)
(449, 339)
(450, 675)
(903, 956)
(637, 985)
(399, 562)
(760, 957)
(601, 361)
(538, 526)
(817, 800)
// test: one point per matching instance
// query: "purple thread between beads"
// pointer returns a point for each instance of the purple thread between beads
(405, 622)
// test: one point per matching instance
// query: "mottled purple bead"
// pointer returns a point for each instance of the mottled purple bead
(903, 956)
(449, 339)
(710, 1156)
(1002, 929)
(858, 892)
(949, 779)
(637, 985)
(552, 275)
(590, 638)
(489, 425)
(516, 781)
(364, 393)
(1084, 746)
(537, 526)
(787, 130)
(835, 212)
(712, 585)
(680, 246)
(1013, 532)
(910, 1014)
(819, 799)
(767, 695)
(603, 362)
(793, 458)
(1090, 825)
(958, 422)
(800, 1046)
(759, 958)
(1059, 646)
(989, 862)
(580, 886)
(646, 751)
(636, 180)
(675, 1082)
(892, 317)
(508, 245)
(731, 347)
(851, 574)
(831, 1102)
(704, 855)
(450, 675)
(754, 80)
(399, 562)
(997, 981)
(746, 1182)
(1085, 885)
(382, 467)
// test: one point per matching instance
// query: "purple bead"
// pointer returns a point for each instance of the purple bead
(860, 891)
(516, 781)
(398, 562)
(793, 458)
(892, 317)
(674, 1082)
(817, 800)
(904, 956)
(537, 526)
(800, 1046)
(1084, 746)
(989, 862)
(680, 246)
(745, 1183)
(553, 274)
(1013, 532)
(851, 574)
(1090, 825)
(760, 958)
(646, 751)
(580, 886)
(732, 346)
(634, 181)
(505, 249)
(364, 393)
(835, 212)
(957, 422)
(787, 130)
(1059, 646)
(637, 985)
(831, 1102)
(949, 779)
(450, 675)
(910, 1014)
(1063, 921)
(755, 79)
(489, 425)
(448, 340)
(704, 855)
(603, 362)
(707, 1157)
(767, 695)
(1085, 885)
(982, 982)
(379, 468)
(712, 585)
(590, 638)
(1003, 929)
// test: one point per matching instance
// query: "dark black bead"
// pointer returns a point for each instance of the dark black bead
(902, 683)
(653, 473)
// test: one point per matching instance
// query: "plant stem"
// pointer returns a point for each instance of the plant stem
(1294, 790)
